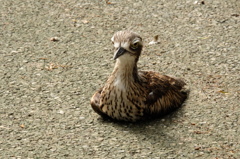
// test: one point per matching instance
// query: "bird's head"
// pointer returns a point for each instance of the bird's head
(128, 45)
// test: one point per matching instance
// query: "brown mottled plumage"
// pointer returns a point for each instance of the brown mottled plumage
(131, 95)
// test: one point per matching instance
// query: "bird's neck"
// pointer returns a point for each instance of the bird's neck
(125, 73)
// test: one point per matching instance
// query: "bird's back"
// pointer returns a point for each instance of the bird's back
(164, 93)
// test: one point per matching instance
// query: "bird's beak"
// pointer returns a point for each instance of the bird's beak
(119, 53)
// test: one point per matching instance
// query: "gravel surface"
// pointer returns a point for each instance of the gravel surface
(55, 54)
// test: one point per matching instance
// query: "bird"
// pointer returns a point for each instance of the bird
(131, 95)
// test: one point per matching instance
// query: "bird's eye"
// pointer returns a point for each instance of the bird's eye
(134, 45)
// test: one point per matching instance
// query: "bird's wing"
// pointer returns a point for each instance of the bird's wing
(164, 92)
(95, 103)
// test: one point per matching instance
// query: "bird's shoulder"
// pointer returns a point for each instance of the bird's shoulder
(153, 79)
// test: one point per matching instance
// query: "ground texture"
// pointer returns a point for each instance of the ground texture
(55, 54)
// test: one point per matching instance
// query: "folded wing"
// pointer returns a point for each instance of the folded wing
(164, 93)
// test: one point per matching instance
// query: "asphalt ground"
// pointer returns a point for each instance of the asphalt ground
(55, 54)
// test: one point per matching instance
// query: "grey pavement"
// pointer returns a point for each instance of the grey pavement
(55, 54)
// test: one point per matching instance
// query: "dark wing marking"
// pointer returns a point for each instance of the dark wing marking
(164, 88)
(95, 103)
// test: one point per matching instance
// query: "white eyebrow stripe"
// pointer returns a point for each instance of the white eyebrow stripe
(125, 45)
(116, 44)
(136, 40)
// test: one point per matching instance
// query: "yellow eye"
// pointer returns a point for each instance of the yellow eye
(135, 45)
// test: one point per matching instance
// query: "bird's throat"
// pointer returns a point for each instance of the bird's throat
(124, 74)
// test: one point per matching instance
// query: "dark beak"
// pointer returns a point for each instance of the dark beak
(119, 53)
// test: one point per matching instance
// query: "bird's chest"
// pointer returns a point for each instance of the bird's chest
(121, 102)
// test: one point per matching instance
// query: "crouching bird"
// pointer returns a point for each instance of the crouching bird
(131, 95)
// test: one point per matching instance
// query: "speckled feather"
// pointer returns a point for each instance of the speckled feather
(131, 95)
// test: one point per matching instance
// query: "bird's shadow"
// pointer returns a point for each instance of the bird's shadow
(153, 130)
